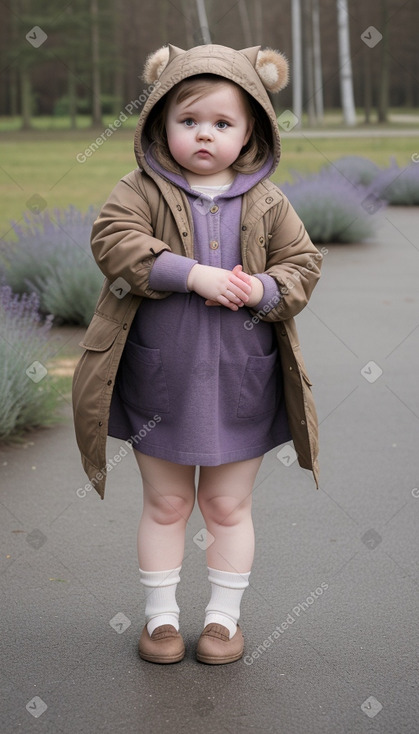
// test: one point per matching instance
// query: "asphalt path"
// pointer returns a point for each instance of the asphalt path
(331, 615)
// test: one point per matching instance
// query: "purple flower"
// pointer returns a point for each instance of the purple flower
(332, 208)
(398, 186)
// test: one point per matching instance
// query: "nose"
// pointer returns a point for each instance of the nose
(204, 132)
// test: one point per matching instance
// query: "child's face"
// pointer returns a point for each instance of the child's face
(205, 135)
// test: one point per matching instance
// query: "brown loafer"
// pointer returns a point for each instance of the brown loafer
(164, 646)
(215, 647)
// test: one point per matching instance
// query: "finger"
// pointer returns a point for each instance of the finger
(229, 304)
(240, 284)
(233, 298)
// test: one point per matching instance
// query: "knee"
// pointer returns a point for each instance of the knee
(226, 511)
(170, 509)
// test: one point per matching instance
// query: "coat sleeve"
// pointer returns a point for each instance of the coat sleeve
(122, 239)
(293, 261)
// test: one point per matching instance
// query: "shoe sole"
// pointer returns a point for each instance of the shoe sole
(212, 660)
(162, 661)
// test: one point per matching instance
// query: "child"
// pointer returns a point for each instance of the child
(192, 356)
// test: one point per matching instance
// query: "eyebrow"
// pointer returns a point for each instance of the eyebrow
(220, 116)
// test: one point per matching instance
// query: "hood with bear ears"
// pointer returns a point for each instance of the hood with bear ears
(257, 71)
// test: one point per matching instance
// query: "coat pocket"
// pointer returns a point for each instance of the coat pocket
(141, 379)
(260, 386)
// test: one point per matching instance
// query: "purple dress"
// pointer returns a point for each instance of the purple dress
(200, 385)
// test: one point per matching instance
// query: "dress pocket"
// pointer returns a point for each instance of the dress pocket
(260, 386)
(141, 378)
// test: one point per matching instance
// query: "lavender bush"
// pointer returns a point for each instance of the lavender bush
(356, 169)
(52, 258)
(398, 186)
(27, 399)
(331, 208)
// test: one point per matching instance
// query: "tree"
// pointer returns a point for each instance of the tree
(204, 32)
(345, 64)
(384, 73)
(317, 62)
(297, 61)
(308, 62)
(96, 85)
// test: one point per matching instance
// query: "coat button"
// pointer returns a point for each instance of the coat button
(214, 209)
(261, 240)
(178, 207)
(184, 234)
(244, 228)
(214, 245)
(125, 327)
(109, 382)
(290, 368)
(283, 332)
(100, 423)
(303, 423)
(269, 200)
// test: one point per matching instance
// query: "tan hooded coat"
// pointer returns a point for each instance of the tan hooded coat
(146, 214)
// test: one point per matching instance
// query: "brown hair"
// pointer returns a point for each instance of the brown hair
(252, 156)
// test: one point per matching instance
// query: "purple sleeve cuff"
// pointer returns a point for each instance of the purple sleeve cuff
(170, 272)
(271, 295)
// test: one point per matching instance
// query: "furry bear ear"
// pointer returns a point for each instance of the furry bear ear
(272, 67)
(157, 61)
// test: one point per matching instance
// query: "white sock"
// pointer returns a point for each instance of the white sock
(161, 606)
(226, 594)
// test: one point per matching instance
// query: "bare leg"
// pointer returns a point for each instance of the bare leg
(225, 500)
(168, 500)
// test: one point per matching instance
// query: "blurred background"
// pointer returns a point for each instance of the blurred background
(86, 58)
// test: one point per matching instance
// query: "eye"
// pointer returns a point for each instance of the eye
(188, 122)
(222, 125)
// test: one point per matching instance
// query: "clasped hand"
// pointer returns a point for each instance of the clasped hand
(220, 287)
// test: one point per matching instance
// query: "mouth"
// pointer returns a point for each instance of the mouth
(203, 152)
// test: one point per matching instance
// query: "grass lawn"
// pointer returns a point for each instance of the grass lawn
(44, 163)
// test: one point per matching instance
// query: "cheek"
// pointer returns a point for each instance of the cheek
(177, 139)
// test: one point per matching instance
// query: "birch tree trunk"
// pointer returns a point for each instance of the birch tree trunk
(297, 61)
(308, 62)
(317, 62)
(384, 74)
(345, 64)
(204, 32)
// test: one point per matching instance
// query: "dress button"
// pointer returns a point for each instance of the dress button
(269, 200)
(214, 209)
(261, 240)
(214, 245)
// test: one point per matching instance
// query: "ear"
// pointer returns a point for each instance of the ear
(251, 53)
(272, 67)
(157, 61)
